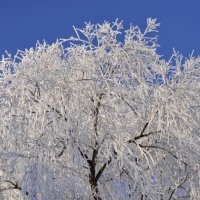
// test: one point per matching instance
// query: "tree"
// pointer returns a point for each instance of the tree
(100, 116)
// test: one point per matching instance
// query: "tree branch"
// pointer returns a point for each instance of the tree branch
(15, 186)
(129, 105)
(101, 170)
(174, 190)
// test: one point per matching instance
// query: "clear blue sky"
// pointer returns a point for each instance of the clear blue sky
(23, 22)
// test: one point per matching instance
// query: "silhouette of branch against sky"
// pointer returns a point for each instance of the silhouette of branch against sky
(24, 22)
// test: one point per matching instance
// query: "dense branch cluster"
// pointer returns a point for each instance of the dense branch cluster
(100, 116)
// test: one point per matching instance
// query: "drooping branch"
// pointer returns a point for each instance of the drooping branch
(165, 150)
(129, 105)
(178, 186)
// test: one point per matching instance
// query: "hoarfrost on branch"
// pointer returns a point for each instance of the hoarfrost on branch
(99, 117)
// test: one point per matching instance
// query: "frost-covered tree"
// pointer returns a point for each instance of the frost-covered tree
(100, 116)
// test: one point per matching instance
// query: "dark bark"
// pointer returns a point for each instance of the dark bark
(93, 181)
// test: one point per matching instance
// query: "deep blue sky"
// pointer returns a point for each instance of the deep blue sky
(23, 22)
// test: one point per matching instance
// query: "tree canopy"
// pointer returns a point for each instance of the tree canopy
(100, 116)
